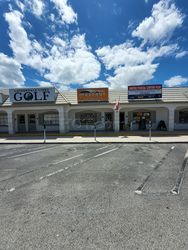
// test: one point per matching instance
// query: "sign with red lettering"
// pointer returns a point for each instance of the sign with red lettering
(145, 91)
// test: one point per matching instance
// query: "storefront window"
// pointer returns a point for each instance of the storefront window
(3, 120)
(51, 119)
(138, 116)
(183, 116)
(88, 118)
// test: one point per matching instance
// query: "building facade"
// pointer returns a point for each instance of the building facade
(65, 113)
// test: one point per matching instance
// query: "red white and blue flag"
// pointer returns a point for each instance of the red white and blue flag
(117, 105)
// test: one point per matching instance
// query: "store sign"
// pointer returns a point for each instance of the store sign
(145, 91)
(32, 95)
(92, 95)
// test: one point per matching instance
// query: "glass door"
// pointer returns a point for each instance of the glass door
(31, 122)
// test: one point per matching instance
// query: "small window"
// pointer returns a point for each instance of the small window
(183, 116)
(3, 120)
(51, 119)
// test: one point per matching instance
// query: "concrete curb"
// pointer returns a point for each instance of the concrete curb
(98, 142)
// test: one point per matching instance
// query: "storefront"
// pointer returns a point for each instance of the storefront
(27, 110)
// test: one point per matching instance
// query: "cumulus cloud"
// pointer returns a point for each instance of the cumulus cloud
(132, 65)
(10, 71)
(132, 75)
(37, 7)
(128, 55)
(75, 64)
(44, 84)
(165, 18)
(181, 54)
(65, 61)
(176, 81)
(19, 42)
(65, 11)
(96, 84)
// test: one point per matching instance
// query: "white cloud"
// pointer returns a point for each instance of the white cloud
(34, 6)
(44, 84)
(132, 65)
(25, 51)
(37, 7)
(66, 12)
(75, 64)
(161, 24)
(20, 5)
(10, 71)
(132, 75)
(96, 84)
(176, 81)
(127, 55)
(19, 42)
(181, 54)
(123, 54)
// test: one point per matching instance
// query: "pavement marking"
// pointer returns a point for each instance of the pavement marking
(76, 163)
(60, 170)
(179, 181)
(107, 152)
(57, 162)
(103, 147)
(11, 190)
(142, 185)
(28, 153)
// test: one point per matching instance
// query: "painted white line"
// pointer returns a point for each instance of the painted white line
(11, 190)
(29, 153)
(138, 192)
(103, 147)
(107, 152)
(68, 159)
(60, 170)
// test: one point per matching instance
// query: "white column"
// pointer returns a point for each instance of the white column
(171, 115)
(116, 121)
(61, 120)
(10, 122)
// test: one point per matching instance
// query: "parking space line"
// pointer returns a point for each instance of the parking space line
(179, 181)
(142, 185)
(106, 152)
(75, 164)
(103, 147)
(28, 153)
(57, 162)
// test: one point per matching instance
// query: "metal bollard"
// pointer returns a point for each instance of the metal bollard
(44, 133)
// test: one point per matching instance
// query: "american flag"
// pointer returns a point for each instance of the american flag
(117, 105)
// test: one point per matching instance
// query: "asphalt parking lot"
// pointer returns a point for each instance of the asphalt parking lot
(94, 196)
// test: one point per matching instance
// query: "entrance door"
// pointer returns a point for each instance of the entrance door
(32, 123)
(122, 120)
(109, 121)
(21, 123)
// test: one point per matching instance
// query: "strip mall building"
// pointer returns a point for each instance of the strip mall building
(27, 110)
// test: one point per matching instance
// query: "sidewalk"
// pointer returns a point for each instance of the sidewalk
(90, 139)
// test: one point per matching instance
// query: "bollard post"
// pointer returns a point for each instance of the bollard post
(95, 132)
(44, 133)
(150, 126)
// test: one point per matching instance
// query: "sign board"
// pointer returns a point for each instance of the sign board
(92, 95)
(32, 95)
(145, 91)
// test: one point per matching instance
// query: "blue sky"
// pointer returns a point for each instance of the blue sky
(95, 43)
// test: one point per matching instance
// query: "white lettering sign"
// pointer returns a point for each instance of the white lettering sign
(32, 95)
